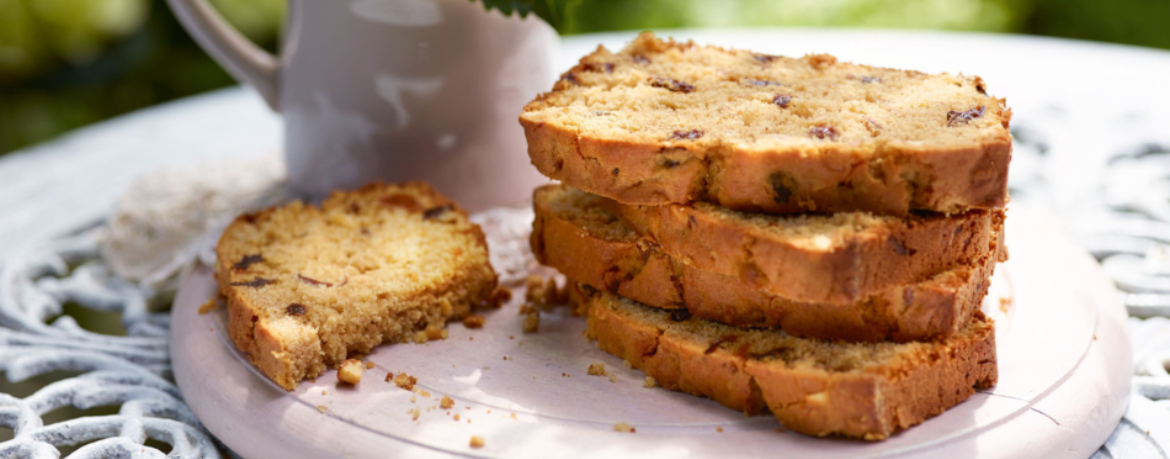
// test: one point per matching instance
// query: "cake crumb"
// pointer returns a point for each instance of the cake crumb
(414, 414)
(477, 441)
(596, 369)
(513, 417)
(627, 364)
(369, 365)
(424, 393)
(531, 322)
(474, 321)
(612, 378)
(563, 294)
(413, 399)
(456, 416)
(1005, 304)
(498, 297)
(419, 337)
(350, 372)
(322, 408)
(650, 382)
(404, 381)
(434, 332)
(446, 402)
(719, 429)
(623, 427)
(533, 287)
(207, 307)
(322, 392)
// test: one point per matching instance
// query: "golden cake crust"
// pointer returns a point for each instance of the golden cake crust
(578, 237)
(819, 388)
(306, 287)
(666, 122)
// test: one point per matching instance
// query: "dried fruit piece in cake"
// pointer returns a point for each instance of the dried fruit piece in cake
(306, 286)
(669, 122)
(814, 387)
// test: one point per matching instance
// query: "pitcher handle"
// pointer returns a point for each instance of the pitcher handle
(244, 60)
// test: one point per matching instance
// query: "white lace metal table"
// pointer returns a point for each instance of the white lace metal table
(1100, 166)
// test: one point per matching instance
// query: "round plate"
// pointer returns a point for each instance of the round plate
(1062, 341)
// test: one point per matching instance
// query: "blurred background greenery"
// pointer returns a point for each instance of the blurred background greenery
(68, 63)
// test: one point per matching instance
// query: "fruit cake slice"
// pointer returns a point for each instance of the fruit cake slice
(860, 390)
(308, 286)
(574, 233)
(667, 122)
(838, 258)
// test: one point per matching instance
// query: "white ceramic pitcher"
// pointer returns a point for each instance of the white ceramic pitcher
(395, 90)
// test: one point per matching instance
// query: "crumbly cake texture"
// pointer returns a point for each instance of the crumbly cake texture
(307, 286)
(573, 233)
(838, 258)
(667, 122)
(820, 388)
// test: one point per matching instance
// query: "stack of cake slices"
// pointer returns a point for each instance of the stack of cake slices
(802, 236)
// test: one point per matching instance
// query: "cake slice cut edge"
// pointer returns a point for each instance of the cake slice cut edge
(307, 286)
(820, 388)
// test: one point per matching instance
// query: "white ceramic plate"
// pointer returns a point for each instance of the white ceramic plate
(1064, 361)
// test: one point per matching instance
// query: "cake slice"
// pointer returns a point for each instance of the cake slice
(308, 286)
(574, 233)
(839, 258)
(666, 122)
(814, 387)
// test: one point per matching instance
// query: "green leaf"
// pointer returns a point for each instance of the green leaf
(553, 12)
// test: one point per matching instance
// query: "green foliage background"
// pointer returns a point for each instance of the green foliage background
(68, 63)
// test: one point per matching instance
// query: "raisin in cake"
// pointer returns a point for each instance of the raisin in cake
(814, 387)
(307, 286)
(574, 233)
(666, 122)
